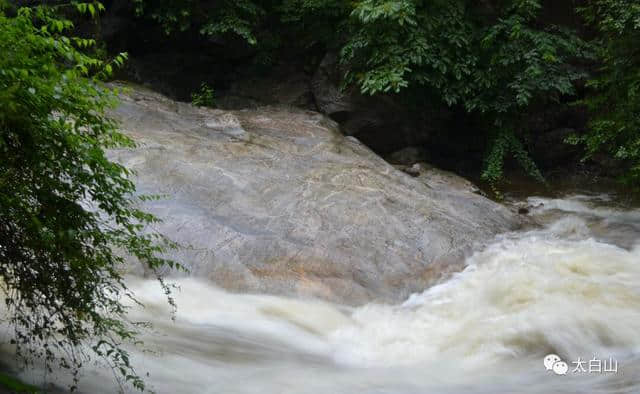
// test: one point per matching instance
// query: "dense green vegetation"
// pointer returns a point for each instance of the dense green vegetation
(615, 101)
(499, 60)
(68, 216)
(203, 97)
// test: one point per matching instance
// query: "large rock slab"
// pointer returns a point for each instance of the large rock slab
(277, 200)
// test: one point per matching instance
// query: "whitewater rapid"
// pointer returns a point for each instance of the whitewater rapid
(570, 287)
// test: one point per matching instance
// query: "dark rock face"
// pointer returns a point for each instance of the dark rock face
(380, 122)
(285, 86)
(277, 200)
(408, 155)
(551, 150)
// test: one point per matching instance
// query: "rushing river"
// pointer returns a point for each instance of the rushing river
(570, 287)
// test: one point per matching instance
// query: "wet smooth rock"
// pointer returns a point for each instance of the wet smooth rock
(277, 200)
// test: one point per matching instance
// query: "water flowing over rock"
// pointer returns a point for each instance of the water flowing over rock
(277, 200)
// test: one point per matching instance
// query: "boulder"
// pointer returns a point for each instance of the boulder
(276, 200)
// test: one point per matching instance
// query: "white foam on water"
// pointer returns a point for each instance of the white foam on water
(587, 206)
(486, 330)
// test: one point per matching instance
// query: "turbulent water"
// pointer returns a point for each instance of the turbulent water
(570, 287)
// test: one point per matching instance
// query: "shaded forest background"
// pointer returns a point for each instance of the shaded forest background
(478, 87)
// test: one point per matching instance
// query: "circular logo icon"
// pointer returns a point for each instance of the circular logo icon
(560, 368)
(551, 359)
